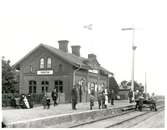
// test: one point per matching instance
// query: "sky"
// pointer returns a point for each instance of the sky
(26, 24)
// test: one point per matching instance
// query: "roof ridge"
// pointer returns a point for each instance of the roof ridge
(63, 51)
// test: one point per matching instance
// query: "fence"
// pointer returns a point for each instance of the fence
(8, 98)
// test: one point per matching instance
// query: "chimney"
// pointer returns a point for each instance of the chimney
(63, 45)
(91, 57)
(76, 50)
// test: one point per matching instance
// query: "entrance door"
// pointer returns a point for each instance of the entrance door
(60, 89)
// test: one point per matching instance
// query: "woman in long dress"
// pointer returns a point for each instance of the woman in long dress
(26, 102)
(106, 97)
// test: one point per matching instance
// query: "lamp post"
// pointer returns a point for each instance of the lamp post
(133, 54)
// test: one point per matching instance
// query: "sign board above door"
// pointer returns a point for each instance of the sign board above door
(44, 72)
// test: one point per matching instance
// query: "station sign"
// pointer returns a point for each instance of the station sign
(93, 71)
(44, 72)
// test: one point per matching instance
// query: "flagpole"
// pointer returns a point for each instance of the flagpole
(133, 56)
(89, 28)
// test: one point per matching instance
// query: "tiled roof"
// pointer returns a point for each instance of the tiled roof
(69, 57)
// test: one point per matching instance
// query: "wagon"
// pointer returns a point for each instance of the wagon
(148, 103)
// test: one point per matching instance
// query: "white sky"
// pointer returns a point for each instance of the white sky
(25, 24)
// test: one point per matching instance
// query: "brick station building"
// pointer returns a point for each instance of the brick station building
(46, 67)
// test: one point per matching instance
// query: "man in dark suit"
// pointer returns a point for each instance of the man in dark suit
(54, 96)
(74, 97)
(112, 96)
(130, 95)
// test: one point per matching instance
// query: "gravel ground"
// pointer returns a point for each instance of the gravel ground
(156, 121)
(13, 115)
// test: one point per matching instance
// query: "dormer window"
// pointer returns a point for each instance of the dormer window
(42, 63)
(49, 63)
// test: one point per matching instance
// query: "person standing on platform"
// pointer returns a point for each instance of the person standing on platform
(99, 98)
(103, 99)
(153, 100)
(92, 98)
(46, 101)
(26, 102)
(141, 99)
(54, 96)
(30, 100)
(74, 97)
(22, 105)
(130, 95)
(106, 97)
(136, 94)
(136, 99)
(112, 96)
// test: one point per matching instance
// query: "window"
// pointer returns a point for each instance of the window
(49, 63)
(45, 86)
(32, 86)
(42, 63)
(59, 86)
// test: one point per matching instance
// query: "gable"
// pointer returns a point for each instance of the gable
(69, 58)
(66, 57)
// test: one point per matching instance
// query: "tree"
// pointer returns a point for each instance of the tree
(113, 84)
(124, 84)
(137, 86)
(9, 80)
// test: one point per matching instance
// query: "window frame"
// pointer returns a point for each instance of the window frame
(32, 86)
(49, 65)
(44, 86)
(41, 62)
(59, 85)
(31, 68)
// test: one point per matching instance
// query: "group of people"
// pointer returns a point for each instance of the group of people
(103, 97)
(140, 97)
(22, 101)
(46, 101)
(26, 101)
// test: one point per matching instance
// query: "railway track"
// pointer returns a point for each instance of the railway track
(124, 119)
(134, 120)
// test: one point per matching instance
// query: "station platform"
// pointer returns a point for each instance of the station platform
(62, 113)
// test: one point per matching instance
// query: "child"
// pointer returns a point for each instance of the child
(46, 101)
(91, 101)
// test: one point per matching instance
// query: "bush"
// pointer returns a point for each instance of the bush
(7, 99)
